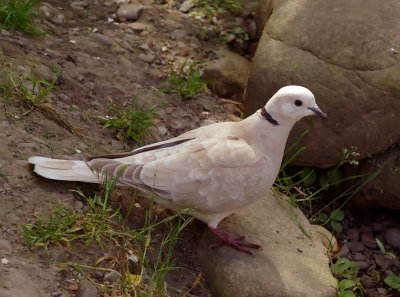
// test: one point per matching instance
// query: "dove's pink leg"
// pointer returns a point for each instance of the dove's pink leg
(237, 243)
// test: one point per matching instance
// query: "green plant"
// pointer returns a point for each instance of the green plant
(220, 6)
(132, 123)
(18, 15)
(2, 173)
(187, 83)
(335, 219)
(383, 250)
(33, 90)
(346, 272)
(393, 281)
(34, 94)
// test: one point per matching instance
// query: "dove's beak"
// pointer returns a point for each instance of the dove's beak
(318, 112)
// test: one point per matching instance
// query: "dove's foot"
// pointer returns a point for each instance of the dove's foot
(237, 243)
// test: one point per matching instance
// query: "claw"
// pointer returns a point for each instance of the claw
(237, 243)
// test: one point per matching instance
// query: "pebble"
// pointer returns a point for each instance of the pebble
(382, 262)
(229, 38)
(112, 276)
(356, 246)
(353, 234)
(148, 58)
(5, 33)
(58, 19)
(363, 265)
(137, 27)
(392, 236)
(102, 39)
(162, 130)
(186, 6)
(377, 227)
(366, 281)
(359, 257)
(368, 240)
(344, 251)
(79, 5)
(382, 291)
(86, 290)
(130, 11)
(5, 246)
(178, 34)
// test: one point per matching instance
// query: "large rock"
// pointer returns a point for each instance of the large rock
(227, 76)
(384, 190)
(291, 264)
(345, 53)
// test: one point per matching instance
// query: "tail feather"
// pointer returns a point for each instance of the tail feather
(71, 170)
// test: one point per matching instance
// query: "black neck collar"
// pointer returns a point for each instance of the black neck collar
(268, 117)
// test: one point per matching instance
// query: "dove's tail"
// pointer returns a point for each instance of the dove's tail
(71, 170)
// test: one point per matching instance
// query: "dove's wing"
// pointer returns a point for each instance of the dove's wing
(215, 175)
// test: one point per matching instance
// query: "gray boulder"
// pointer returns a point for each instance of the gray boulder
(384, 190)
(292, 263)
(345, 53)
(227, 76)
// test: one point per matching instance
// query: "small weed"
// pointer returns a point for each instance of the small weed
(187, 83)
(33, 93)
(306, 186)
(240, 34)
(2, 173)
(393, 281)
(50, 146)
(48, 135)
(383, 250)
(18, 15)
(57, 71)
(33, 90)
(132, 123)
(346, 272)
(219, 6)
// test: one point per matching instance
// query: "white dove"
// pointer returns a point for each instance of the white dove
(215, 169)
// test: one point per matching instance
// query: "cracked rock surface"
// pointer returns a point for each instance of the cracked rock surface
(345, 52)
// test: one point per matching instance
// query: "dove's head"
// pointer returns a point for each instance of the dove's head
(292, 103)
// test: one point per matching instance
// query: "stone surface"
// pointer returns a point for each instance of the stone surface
(356, 246)
(102, 39)
(186, 6)
(290, 264)
(384, 190)
(346, 61)
(392, 236)
(130, 11)
(227, 76)
(86, 290)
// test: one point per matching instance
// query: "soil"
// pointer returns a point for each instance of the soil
(95, 58)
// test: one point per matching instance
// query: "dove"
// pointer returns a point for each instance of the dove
(215, 170)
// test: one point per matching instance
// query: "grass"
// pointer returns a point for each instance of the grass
(142, 267)
(306, 186)
(3, 174)
(188, 83)
(220, 6)
(18, 15)
(346, 272)
(34, 94)
(131, 123)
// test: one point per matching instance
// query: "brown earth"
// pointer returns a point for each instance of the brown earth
(95, 58)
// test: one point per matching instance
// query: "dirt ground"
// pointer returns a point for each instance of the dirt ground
(96, 58)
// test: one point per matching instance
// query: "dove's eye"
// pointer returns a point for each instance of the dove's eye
(298, 102)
